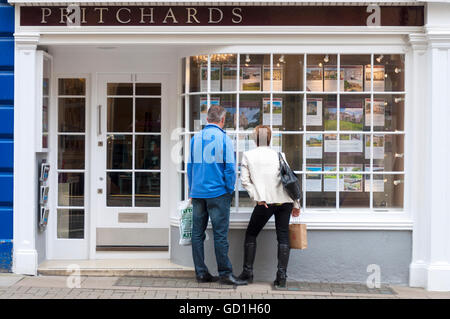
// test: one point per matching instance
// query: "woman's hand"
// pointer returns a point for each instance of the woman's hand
(263, 204)
(295, 212)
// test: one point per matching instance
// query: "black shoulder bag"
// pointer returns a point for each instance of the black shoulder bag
(290, 182)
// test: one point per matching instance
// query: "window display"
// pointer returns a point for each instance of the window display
(346, 143)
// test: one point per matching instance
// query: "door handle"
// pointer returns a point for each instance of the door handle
(99, 114)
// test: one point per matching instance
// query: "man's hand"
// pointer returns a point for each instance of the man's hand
(263, 204)
(295, 212)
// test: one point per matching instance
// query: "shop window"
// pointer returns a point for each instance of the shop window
(71, 168)
(339, 118)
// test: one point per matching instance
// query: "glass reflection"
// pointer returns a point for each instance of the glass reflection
(71, 152)
(120, 115)
(148, 152)
(71, 86)
(71, 189)
(119, 189)
(119, 152)
(148, 187)
(148, 115)
(115, 89)
(71, 115)
(70, 224)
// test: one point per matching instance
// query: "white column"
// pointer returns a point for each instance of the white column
(430, 267)
(416, 126)
(25, 176)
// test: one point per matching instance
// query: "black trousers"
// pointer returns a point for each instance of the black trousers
(261, 216)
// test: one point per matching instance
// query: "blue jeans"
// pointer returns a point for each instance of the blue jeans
(218, 209)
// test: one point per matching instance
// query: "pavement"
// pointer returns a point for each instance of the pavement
(89, 287)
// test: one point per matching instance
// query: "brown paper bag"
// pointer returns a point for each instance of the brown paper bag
(297, 236)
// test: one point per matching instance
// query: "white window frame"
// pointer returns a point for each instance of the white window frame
(339, 218)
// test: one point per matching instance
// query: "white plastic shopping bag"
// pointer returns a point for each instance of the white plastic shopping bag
(185, 209)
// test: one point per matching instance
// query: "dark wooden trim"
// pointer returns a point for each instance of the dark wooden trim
(231, 16)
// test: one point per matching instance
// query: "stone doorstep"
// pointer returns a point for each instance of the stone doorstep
(92, 272)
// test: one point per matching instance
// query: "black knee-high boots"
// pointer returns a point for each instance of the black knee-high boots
(249, 259)
(283, 259)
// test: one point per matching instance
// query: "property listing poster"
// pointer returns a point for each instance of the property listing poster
(251, 78)
(204, 107)
(314, 78)
(351, 115)
(378, 112)
(378, 78)
(215, 78)
(249, 113)
(378, 146)
(229, 74)
(378, 179)
(349, 143)
(330, 78)
(313, 112)
(352, 178)
(276, 141)
(277, 111)
(313, 181)
(353, 78)
(314, 143)
(277, 78)
(330, 178)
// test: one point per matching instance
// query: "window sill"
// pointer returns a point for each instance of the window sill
(391, 220)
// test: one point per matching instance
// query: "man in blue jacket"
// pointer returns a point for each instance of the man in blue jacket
(212, 176)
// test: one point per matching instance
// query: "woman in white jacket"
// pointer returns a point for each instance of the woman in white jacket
(260, 176)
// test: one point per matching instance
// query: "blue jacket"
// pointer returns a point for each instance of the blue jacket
(211, 167)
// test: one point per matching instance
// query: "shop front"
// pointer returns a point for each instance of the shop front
(108, 97)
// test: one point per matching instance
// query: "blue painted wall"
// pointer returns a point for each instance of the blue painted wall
(6, 134)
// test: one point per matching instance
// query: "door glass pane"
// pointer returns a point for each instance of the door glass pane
(71, 152)
(72, 86)
(120, 115)
(70, 224)
(148, 88)
(120, 149)
(71, 115)
(71, 189)
(119, 189)
(148, 151)
(148, 187)
(148, 115)
(120, 88)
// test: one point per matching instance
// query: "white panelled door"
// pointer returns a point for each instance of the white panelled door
(128, 155)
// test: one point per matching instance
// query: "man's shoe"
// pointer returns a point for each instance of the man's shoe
(207, 278)
(232, 280)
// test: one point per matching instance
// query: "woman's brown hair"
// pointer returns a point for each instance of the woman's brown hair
(263, 135)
